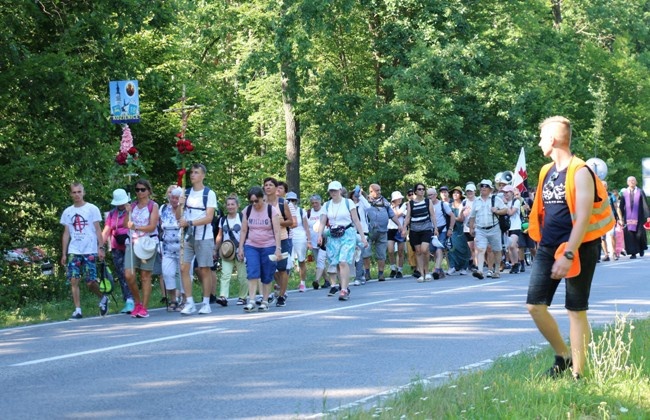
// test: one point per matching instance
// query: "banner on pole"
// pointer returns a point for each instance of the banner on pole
(124, 101)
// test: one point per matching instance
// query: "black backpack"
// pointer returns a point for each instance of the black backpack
(504, 219)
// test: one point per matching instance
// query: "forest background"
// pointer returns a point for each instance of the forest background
(386, 91)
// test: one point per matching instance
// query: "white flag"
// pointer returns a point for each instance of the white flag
(520, 178)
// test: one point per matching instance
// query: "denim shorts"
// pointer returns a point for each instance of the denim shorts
(286, 245)
(542, 287)
(258, 265)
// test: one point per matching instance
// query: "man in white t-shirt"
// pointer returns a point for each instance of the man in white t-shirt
(82, 243)
(301, 239)
(196, 210)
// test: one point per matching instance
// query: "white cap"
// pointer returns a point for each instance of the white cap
(291, 196)
(334, 185)
(487, 182)
(470, 187)
(396, 195)
(119, 197)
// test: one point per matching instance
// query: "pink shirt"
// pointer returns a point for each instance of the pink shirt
(260, 227)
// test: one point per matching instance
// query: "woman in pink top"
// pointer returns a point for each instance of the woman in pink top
(260, 239)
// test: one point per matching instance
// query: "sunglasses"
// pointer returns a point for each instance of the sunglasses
(484, 186)
(254, 201)
(140, 189)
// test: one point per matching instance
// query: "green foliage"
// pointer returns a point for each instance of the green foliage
(27, 285)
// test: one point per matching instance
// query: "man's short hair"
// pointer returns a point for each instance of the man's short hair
(201, 167)
(77, 184)
(270, 178)
(564, 122)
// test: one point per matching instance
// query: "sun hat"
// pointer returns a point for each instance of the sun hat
(291, 196)
(486, 182)
(119, 197)
(227, 250)
(396, 195)
(145, 247)
(334, 185)
(508, 188)
(457, 188)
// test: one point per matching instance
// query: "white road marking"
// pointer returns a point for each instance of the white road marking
(121, 346)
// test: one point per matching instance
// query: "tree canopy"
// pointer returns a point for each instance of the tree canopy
(385, 91)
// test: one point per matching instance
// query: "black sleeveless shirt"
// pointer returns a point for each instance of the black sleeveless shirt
(557, 217)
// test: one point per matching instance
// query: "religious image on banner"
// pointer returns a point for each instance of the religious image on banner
(520, 178)
(125, 105)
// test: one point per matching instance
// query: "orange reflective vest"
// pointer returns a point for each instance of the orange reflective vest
(601, 220)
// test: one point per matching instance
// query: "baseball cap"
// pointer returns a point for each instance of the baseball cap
(470, 187)
(334, 185)
(486, 182)
(291, 196)
(444, 188)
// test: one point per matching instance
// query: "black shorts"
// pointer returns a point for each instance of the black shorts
(417, 238)
(542, 287)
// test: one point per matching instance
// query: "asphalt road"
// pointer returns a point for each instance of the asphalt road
(314, 355)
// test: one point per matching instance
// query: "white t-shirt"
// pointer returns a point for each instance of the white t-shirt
(194, 210)
(339, 214)
(402, 209)
(515, 219)
(314, 216)
(81, 225)
(299, 233)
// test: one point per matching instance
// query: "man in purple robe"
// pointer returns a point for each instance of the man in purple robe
(634, 213)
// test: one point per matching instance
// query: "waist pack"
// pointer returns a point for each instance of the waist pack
(338, 231)
(121, 238)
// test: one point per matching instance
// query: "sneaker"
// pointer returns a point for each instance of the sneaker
(496, 275)
(263, 307)
(522, 268)
(478, 274)
(258, 300)
(490, 273)
(344, 295)
(136, 310)
(381, 277)
(315, 285)
(334, 290)
(393, 274)
(205, 309)
(326, 285)
(189, 309)
(515, 269)
(281, 301)
(213, 299)
(356, 283)
(428, 277)
(302, 288)
(271, 298)
(451, 271)
(76, 315)
(241, 301)
(463, 272)
(103, 305)
(221, 300)
(417, 274)
(399, 275)
(561, 364)
(128, 307)
(249, 307)
(143, 313)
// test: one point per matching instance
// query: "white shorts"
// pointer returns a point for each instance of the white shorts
(321, 259)
(300, 249)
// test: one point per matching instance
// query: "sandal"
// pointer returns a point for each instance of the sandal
(172, 307)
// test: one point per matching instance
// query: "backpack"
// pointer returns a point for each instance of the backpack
(206, 190)
(504, 219)
(106, 281)
(447, 217)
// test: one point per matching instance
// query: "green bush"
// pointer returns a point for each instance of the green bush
(21, 285)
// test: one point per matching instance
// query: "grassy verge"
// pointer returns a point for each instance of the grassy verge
(616, 385)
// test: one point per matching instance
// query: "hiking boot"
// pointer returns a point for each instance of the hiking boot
(189, 309)
(345, 294)
(221, 300)
(561, 364)
(205, 309)
(75, 316)
(103, 305)
(515, 269)
(392, 274)
(334, 290)
(281, 301)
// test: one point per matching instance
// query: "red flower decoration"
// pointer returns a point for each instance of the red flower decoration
(181, 174)
(121, 157)
(133, 151)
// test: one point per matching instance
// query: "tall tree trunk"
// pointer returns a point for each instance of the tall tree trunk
(556, 7)
(292, 128)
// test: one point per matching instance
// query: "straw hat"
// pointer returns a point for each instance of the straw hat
(227, 250)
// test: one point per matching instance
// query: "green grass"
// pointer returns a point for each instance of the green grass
(616, 385)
